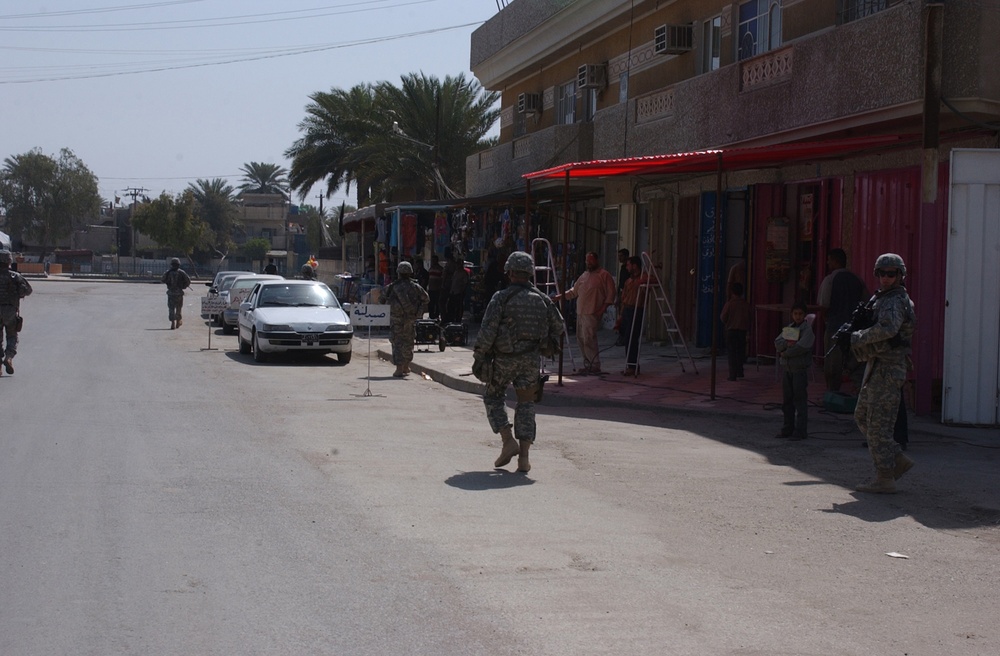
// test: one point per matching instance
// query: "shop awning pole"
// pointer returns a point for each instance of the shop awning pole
(565, 267)
(527, 218)
(716, 291)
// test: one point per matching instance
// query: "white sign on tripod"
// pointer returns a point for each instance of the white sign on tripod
(369, 315)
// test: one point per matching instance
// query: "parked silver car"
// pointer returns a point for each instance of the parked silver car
(238, 292)
(281, 316)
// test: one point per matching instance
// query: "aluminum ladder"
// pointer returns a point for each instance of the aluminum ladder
(654, 288)
(549, 284)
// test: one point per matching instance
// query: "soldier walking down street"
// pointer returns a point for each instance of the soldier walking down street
(13, 287)
(176, 280)
(520, 324)
(407, 302)
(885, 347)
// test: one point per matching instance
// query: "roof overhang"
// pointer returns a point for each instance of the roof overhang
(722, 159)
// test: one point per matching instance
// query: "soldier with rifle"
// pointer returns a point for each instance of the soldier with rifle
(881, 338)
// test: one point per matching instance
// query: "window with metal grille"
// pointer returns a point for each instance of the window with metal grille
(852, 10)
(759, 28)
(566, 104)
(711, 43)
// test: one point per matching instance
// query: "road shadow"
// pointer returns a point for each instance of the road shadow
(494, 479)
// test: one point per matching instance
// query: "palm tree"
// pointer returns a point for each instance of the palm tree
(406, 143)
(260, 178)
(437, 126)
(216, 206)
(337, 127)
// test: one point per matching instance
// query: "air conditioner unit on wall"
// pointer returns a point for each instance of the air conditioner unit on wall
(591, 76)
(673, 39)
(529, 103)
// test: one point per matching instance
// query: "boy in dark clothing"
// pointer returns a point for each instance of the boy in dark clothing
(794, 346)
(736, 317)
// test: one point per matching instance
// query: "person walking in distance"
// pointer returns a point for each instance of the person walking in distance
(595, 291)
(520, 325)
(176, 280)
(736, 317)
(407, 302)
(13, 287)
(434, 282)
(633, 300)
(839, 293)
(885, 348)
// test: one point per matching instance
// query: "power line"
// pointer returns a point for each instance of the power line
(288, 53)
(226, 21)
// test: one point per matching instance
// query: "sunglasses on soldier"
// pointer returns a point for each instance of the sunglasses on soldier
(886, 273)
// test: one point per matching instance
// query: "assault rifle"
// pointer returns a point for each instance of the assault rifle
(862, 317)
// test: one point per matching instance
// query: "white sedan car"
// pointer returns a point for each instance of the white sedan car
(281, 316)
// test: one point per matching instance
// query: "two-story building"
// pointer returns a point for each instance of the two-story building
(585, 80)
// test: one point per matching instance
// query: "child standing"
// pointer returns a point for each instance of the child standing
(736, 317)
(794, 346)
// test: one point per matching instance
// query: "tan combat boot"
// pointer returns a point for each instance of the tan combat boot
(522, 458)
(509, 448)
(173, 324)
(399, 373)
(884, 483)
(903, 465)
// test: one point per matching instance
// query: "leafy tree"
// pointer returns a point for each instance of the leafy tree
(45, 198)
(173, 222)
(216, 206)
(260, 178)
(256, 248)
(316, 230)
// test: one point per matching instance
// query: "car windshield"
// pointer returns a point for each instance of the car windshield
(297, 296)
(227, 282)
(246, 283)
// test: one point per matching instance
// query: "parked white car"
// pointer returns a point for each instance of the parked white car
(281, 316)
(211, 304)
(238, 292)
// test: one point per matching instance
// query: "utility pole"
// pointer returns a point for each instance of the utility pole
(134, 192)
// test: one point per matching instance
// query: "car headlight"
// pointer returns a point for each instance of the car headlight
(275, 328)
(339, 328)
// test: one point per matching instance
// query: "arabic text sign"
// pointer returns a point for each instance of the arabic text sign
(369, 315)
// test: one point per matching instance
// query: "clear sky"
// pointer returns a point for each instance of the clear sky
(158, 94)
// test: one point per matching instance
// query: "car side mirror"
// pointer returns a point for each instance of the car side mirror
(244, 306)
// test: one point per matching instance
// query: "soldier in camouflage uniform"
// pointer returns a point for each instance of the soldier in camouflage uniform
(13, 287)
(407, 302)
(519, 322)
(885, 347)
(176, 280)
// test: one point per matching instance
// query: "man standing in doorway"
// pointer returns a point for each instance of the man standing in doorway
(595, 291)
(839, 294)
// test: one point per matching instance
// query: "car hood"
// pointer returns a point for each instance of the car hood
(303, 319)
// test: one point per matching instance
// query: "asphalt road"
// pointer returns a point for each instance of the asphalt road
(160, 498)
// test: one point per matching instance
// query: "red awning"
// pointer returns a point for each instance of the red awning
(728, 159)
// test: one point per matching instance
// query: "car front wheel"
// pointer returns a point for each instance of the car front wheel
(244, 346)
(258, 355)
(344, 358)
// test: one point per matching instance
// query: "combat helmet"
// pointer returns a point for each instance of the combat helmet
(5, 257)
(521, 262)
(890, 260)
(404, 269)
(175, 263)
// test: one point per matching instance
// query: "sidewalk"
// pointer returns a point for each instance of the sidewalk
(662, 385)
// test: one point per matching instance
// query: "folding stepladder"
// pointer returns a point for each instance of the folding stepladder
(654, 289)
(547, 282)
